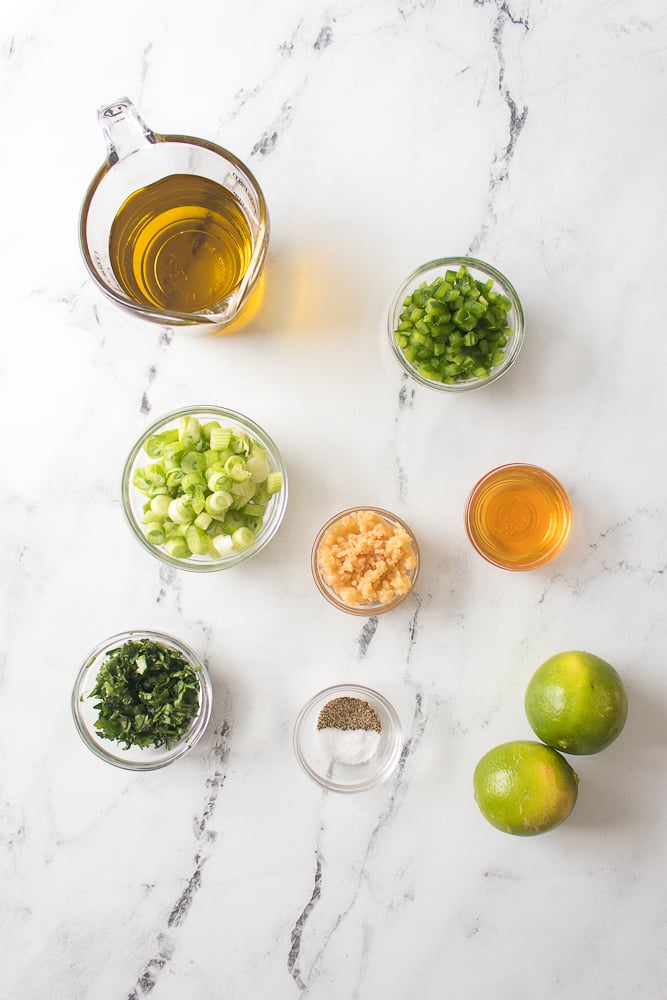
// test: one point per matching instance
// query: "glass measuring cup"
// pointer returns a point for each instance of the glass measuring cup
(172, 228)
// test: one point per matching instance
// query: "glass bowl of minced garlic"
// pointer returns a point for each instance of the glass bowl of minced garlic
(365, 561)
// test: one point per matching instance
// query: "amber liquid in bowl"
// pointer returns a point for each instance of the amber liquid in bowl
(182, 243)
(518, 517)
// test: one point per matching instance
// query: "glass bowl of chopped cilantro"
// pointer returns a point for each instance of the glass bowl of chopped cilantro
(141, 700)
(204, 488)
(456, 324)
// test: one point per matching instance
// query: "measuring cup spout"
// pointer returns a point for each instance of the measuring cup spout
(124, 129)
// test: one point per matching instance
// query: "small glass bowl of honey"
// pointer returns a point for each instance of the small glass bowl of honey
(518, 517)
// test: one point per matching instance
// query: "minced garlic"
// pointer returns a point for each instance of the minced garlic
(366, 560)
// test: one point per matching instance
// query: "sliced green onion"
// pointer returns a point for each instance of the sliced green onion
(189, 430)
(217, 504)
(193, 461)
(218, 481)
(155, 533)
(254, 510)
(197, 540)
(258, 467)
(160, 505)
(180, 510)
(220, 437)
(235, 468)
(176, 546)
(223, 544)
(207, 488)
(244, 491)
(243, 538)
(274, 483)
(239, 441)
(191, 479)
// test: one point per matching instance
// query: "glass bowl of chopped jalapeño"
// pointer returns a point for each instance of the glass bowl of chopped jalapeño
(204, 488)
(365, 561)
(456, 324)
(141, 700)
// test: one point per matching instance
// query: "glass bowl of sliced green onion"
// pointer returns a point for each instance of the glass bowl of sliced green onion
(141, 700)
(456, 324)
(204, 488)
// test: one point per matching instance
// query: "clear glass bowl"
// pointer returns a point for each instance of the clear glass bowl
(312, 751)
(482, 272)
(518, 516)
(377, 607)
(133, 500)
(112, 751)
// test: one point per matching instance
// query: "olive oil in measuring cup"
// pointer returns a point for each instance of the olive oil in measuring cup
(182, 243)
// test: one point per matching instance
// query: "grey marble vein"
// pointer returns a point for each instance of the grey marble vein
(500, 166)
(325, 38)
(406, 401)
(413, 629)
(406, 394)
(287, 48)
(401, 480)
(145, 406)
(366, 941)
(416, 732)
(407, 8)
(147, 979)
(297, 932)
(143, 73)
(170, 585)
(397, 791)
(267, 142)
(366, 636)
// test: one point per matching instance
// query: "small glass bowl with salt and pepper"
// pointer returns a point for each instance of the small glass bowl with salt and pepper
(348, 738)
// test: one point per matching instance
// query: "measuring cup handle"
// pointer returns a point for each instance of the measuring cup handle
(124, 129)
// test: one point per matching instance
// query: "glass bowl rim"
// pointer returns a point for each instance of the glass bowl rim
(188, 741)
(397, 744)
(264, 536)
(510, 355)
(563, 536)
(363, 610)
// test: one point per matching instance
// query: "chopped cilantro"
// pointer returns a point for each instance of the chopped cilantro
(148, 695)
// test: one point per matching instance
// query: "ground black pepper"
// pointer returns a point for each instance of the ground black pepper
(349, 713)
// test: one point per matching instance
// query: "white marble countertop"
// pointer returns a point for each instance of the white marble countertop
(384, 134)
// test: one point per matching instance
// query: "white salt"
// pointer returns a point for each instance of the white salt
(350, 746)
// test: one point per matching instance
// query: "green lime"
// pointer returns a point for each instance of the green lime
(524, 787)
(576, 702)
